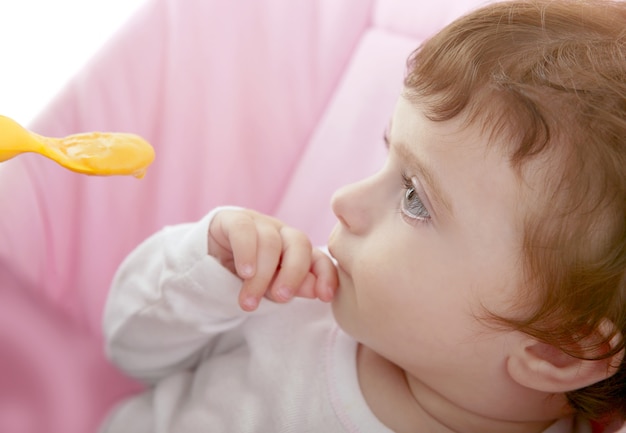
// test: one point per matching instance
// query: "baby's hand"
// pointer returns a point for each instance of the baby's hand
(273, 259)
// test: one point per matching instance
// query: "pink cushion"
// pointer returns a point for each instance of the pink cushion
(271, 106)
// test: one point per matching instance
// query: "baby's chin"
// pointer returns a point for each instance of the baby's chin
(342, 307)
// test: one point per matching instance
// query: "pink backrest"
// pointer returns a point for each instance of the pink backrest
(268, 104)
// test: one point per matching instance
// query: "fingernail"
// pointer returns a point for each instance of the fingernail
(284, 293)
(246, 271)
(250, 303)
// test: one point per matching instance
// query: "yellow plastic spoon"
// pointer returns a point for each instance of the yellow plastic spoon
(93, 153)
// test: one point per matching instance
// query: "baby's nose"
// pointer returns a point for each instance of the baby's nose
(350, 204)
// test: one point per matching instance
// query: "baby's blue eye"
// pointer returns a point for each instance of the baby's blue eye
(412, 206)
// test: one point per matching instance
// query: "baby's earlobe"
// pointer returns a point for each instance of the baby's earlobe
(544, 367)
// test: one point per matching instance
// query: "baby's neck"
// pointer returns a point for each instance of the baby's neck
(406, 405)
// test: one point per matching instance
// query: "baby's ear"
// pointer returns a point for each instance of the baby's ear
(543, 367)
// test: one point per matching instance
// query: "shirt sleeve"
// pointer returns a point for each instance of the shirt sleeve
(169, 302)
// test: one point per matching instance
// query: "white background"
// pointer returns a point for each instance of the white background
(44, 42)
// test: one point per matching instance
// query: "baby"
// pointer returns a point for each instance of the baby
(477, 281)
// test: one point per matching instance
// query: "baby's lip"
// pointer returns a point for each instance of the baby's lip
(336, 260)
(337, 248)
(332, 252)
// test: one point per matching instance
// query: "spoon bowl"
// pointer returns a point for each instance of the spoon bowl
(92, 153)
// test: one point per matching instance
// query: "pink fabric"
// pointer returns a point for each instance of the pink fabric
(270, 104)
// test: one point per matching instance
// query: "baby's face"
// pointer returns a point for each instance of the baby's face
(424, 246)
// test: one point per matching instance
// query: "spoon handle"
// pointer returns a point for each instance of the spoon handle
(14, 139)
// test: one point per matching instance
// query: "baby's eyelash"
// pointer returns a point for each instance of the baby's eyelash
(407, 181)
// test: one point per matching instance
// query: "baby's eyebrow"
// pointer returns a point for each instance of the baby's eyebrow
(432, 185)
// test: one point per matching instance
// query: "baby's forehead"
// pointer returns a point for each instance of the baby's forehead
(472, 128)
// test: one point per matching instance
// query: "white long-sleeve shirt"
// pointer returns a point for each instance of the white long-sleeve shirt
(172, 320)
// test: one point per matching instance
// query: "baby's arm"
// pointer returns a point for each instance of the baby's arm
(170, 299)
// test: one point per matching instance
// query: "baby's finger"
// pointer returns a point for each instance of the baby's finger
(233, 240)
(307, 288)
(294, 266)
(269, 249)
(325, 272)
(242, 234)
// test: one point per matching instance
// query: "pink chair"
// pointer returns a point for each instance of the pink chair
(266, 104)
